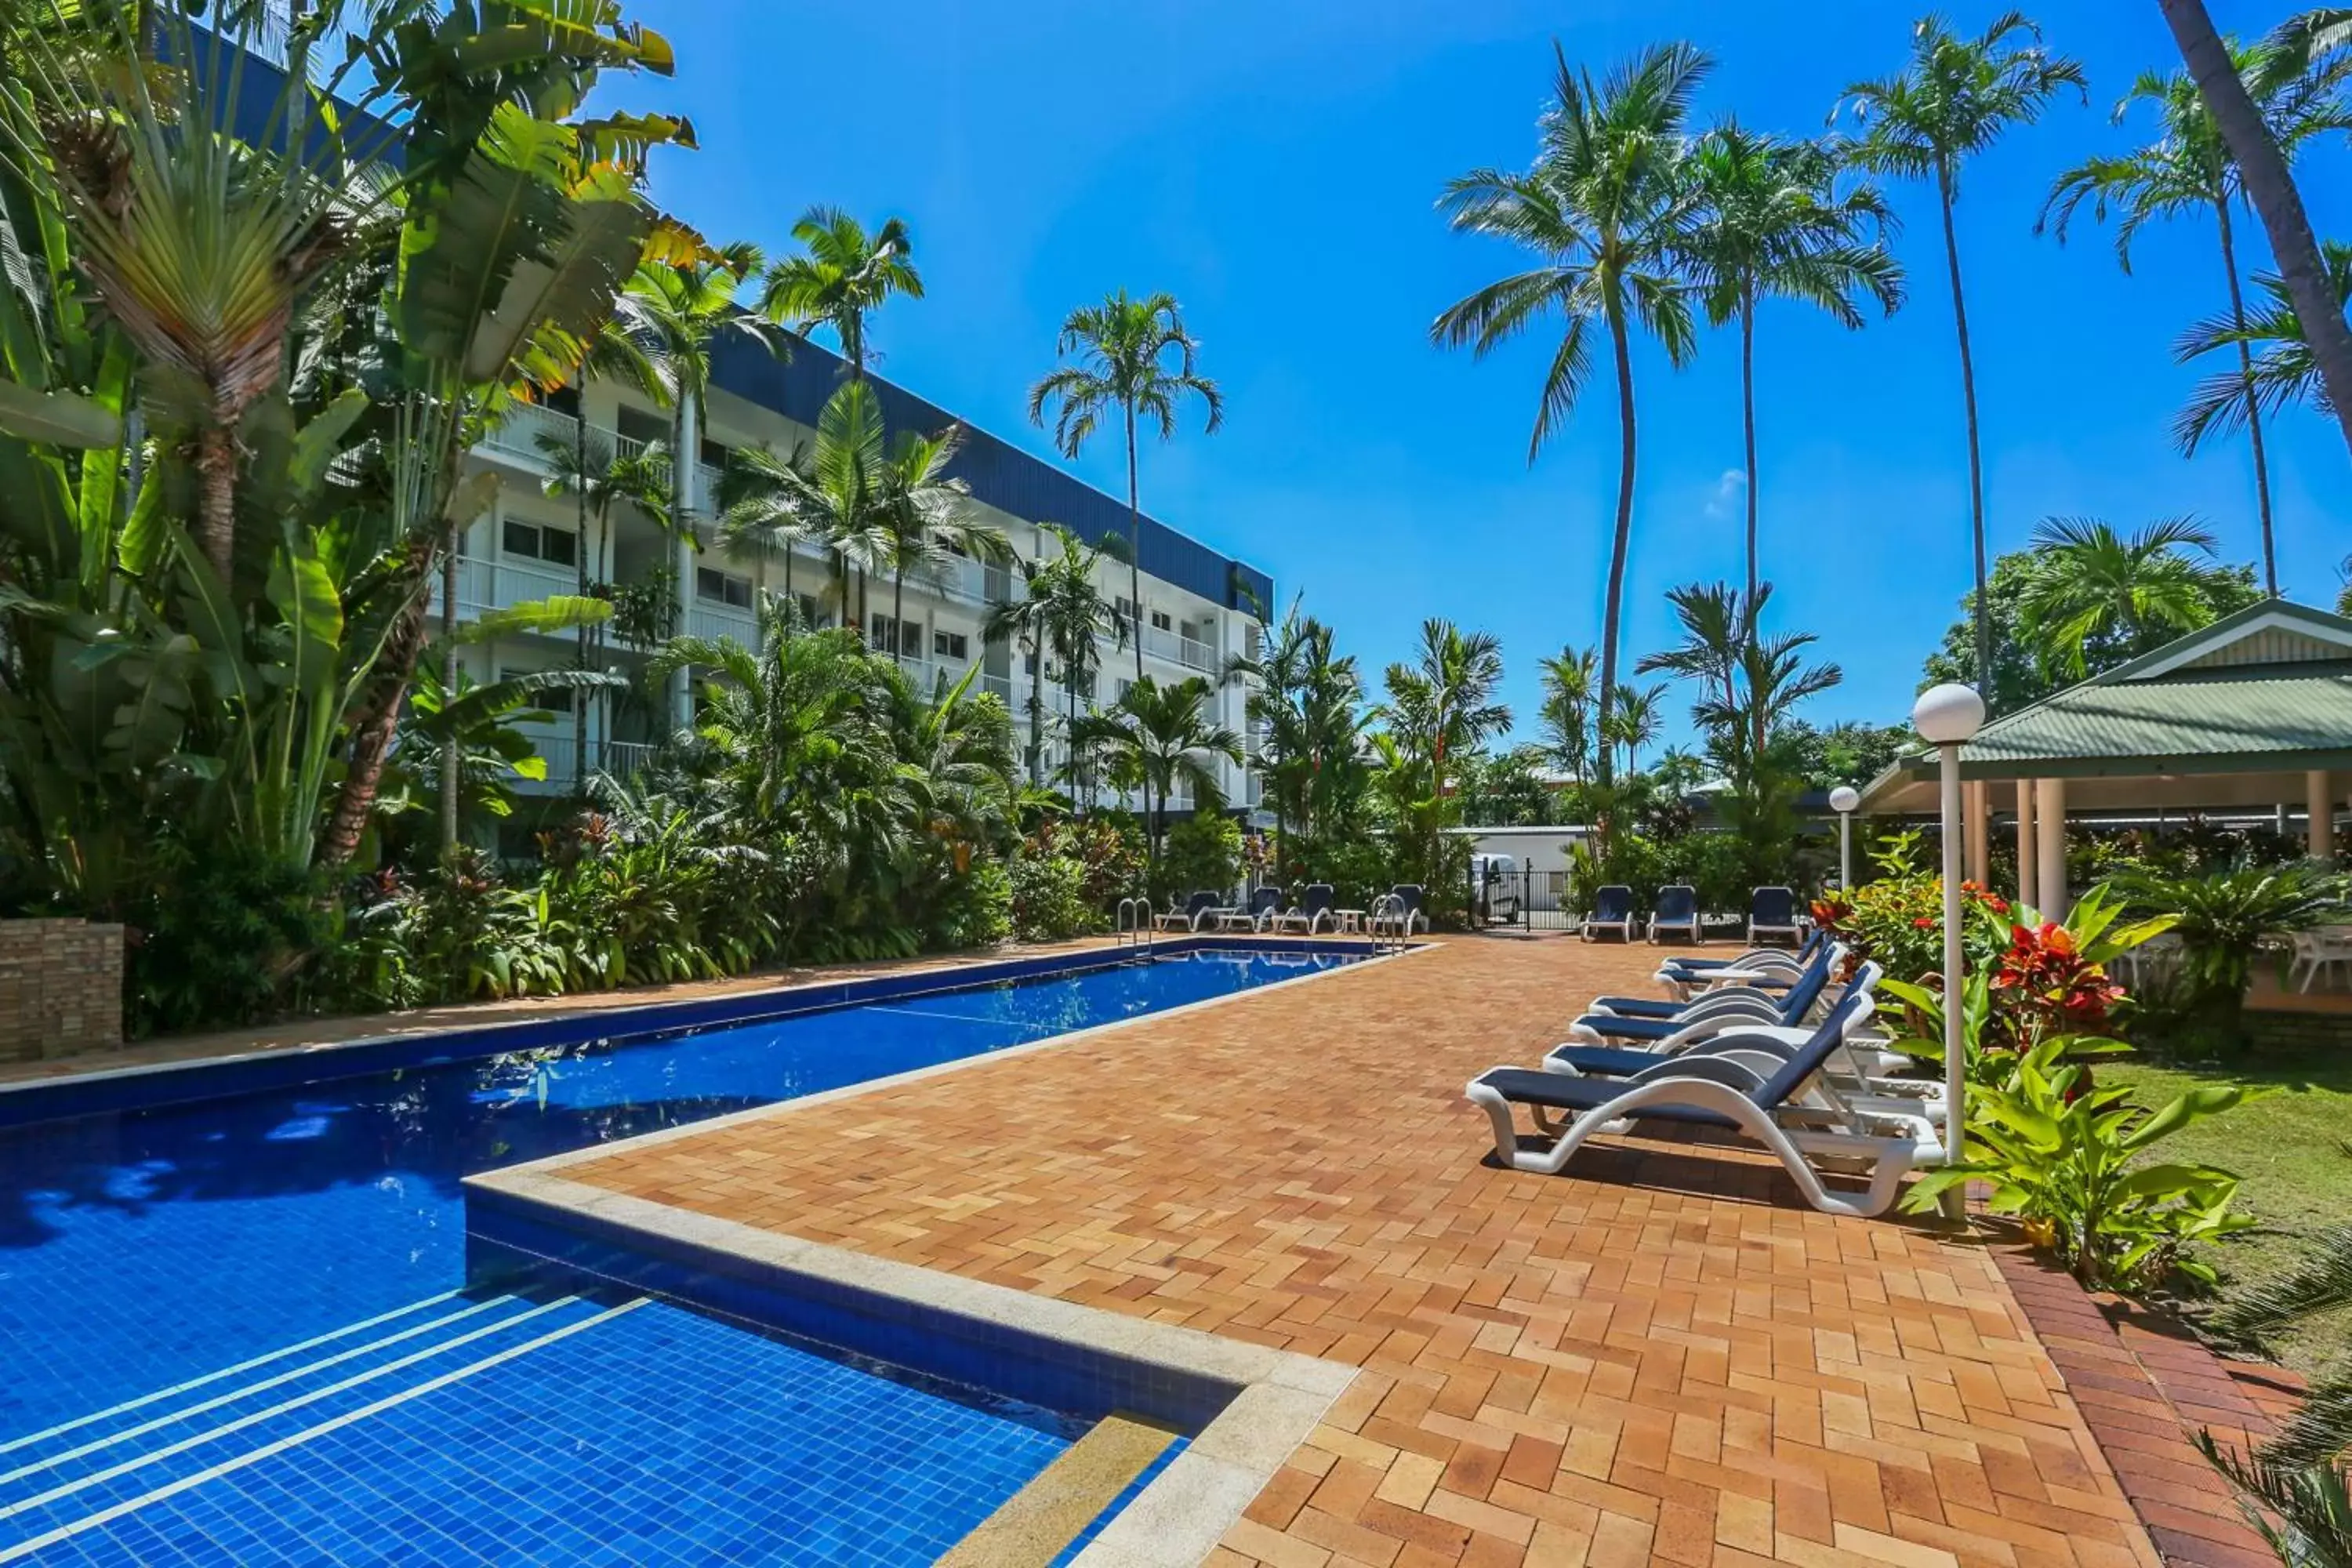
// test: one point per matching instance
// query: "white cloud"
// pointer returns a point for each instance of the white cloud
(1729, 490)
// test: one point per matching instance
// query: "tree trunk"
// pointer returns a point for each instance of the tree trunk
(452, 774)
(1748, 422)
(1037, 716)
(1613, 605)
(579, 633)
(898, 616)
(216, 499)
(2263, 171)
(2254, 411)
(1134, 545)
(791, 601)
(1976, 457)
(379, 716)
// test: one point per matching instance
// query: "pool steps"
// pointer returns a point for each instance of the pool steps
(81, 1474)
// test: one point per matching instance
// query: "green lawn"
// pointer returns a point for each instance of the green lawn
(2292, 1149)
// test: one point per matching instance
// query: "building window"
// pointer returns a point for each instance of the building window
(1160, 620)
(722, 587)
(635, 425)
(1125, 608)
(1028, 664)
(952, 645)
(810, 614)
(531, 542)
(884, 635)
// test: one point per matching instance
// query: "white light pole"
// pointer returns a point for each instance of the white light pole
(1843, 800)
(1948, 716)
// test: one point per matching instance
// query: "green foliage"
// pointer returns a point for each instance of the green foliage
(1048, 892)
(2225, 920)
(974, 909)
(1204, 850)
(2068, 1159)
(1506, 791)
(222, 936)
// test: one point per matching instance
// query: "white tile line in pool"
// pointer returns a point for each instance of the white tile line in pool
(916, 1075)
(1173, 1523)
(950, 977)
(309, 1433)
(263, 1360)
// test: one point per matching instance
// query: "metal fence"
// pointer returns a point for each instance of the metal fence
(1528, 899)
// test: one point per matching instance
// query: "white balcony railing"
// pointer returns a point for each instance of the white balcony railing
(619, 758)
(517, 434)
(1177, 648)
(1000, 686)
(709, 618)
(484, 586)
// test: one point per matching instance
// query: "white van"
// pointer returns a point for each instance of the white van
(1497, 887)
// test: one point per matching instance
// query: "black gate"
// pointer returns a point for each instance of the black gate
(1526, 897)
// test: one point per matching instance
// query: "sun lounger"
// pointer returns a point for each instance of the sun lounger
(1313, 914)
(1772, 912)
(1189, 916)
(1612, 910)
(1252, 917)
(1770, 1097)
(1676, 909)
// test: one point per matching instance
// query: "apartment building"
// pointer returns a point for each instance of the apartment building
(1199, 608)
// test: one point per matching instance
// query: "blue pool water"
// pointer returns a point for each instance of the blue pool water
(218, 1276)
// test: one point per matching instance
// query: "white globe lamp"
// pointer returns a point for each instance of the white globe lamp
(1845, 800)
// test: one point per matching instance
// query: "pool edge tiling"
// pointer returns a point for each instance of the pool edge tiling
(1258, 1404)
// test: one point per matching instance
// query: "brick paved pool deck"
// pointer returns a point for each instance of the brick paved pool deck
(1661, 1356)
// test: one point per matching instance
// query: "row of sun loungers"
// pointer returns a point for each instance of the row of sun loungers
(1771, 913)
(1767, 1045)
(1269, 911)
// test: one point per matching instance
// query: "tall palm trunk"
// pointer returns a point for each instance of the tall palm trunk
(450, 770)
(217, 498)
(1976, 456)
(2262, 168)
(2253, 410)
(1613, 607)
(792, 601)
(379, 718)
(1037, 715)
(1747, 418)
(1134, 544)
(579, 633)
(898, 616)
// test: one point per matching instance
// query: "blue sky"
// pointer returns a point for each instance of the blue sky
(1275, 167)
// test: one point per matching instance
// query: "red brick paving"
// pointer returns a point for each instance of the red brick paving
(1662, 1356)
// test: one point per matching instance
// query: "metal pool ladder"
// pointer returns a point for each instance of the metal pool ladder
(1389, 924)
(1141, 936)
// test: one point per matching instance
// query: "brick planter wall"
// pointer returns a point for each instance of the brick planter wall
(60, 988)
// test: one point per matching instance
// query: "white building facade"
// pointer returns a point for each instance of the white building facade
(1200, 609)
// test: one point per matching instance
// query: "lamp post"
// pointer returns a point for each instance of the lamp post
(1843, 800)
(1948, 716)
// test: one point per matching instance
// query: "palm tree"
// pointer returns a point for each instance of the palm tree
(1136, 356)
(1604, 209)
(1772, 223)
(1306, 702)
(2269, 184)
(1025, 620)
(1633, 722)
(841, 275)
(927, 518)
(1567, 711)
(2189, 169)
(1442, 707)
(1956, 98)
(1165, 738)
(1717, 623)
(2090, 583)
(2284, 373)
(765, 504)
(1077, 614)
(680, 312)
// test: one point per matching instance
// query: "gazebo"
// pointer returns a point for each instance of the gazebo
(2253, 712)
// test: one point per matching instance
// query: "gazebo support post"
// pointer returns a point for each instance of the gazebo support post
(2321, 833)
(2049, 803)
(1979, 834)
(2026, 880)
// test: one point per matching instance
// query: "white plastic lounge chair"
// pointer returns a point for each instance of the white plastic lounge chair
(1612, 910)
(1683, 974)
(1618, 1020)
(1261, 908)
(1411, 896)
(1771, 1097)
(1676, 909)
(1313, 914)
(1772, 912)
(1188, 916)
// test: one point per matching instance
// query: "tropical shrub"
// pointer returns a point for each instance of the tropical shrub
(2070, 1162)
(1203, 851)
(1109, 849)
(974, 909)
(223, 936)
(1048, 895)
(2224, 919)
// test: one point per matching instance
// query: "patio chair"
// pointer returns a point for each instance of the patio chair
(1770, 1097)
(1676, 909)
(1612, 910)
(1411, 895)
(1188, 916)
(1661, 1026)
(1254, 915)
(1311, 914)
(1772, 912)
(1768, 966)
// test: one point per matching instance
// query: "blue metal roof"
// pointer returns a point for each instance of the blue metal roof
(1000, 474)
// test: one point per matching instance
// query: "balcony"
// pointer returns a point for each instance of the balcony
(1001, 687)
(517, 435)
(621, 759)
(710, 618)
(1177, 648)
(485, 585)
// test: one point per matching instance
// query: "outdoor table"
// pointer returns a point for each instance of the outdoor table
(1347, 923)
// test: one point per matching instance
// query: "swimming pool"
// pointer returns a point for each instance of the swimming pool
(227, 1318)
